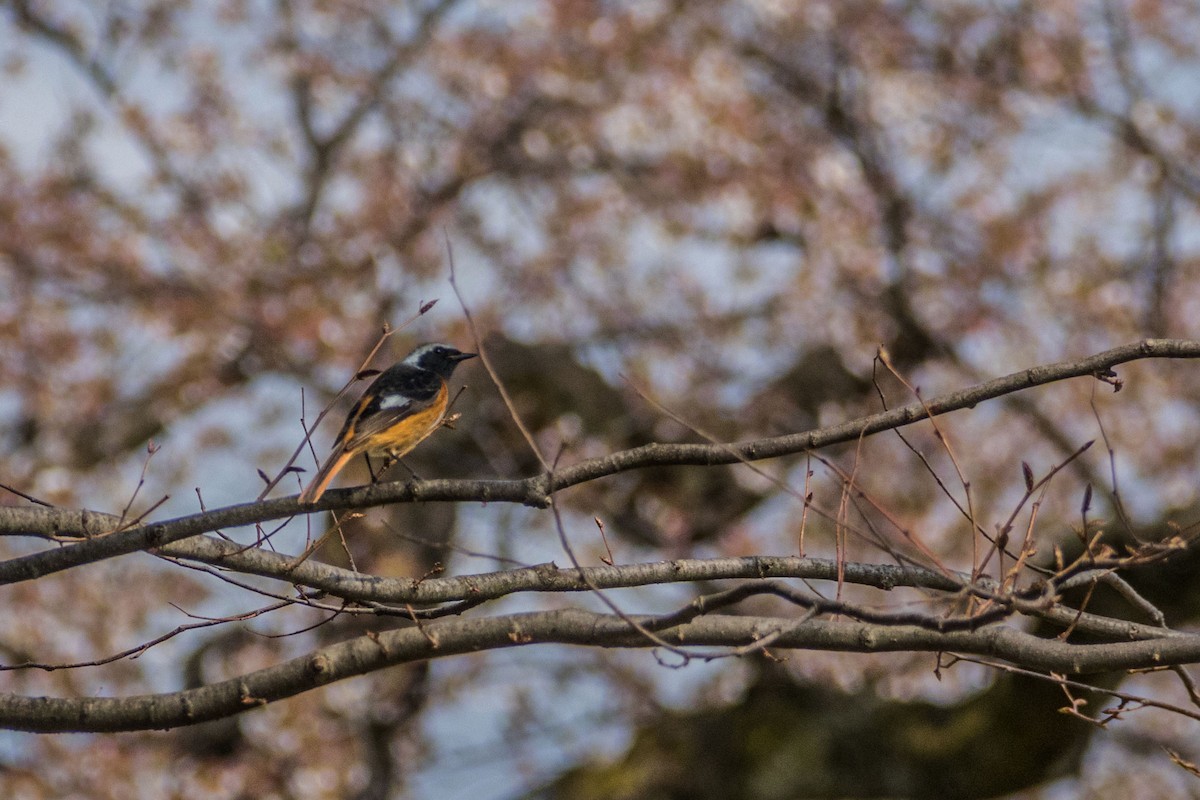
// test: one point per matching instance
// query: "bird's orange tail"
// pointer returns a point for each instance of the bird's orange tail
(332, 466)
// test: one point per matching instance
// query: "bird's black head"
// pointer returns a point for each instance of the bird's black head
(438, 358)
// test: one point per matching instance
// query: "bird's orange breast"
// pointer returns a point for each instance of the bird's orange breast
(408, 432)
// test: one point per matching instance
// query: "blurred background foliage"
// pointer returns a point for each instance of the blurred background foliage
(726, 207)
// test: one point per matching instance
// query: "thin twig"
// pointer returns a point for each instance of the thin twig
(1067, 683)
(487, 363)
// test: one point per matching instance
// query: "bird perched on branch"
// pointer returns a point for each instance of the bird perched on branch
(406, 403)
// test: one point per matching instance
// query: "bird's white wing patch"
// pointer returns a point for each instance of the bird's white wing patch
(395, 401)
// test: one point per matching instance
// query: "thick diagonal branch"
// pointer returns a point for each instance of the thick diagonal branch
(535, 490)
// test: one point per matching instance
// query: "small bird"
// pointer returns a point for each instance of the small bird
(406, 403)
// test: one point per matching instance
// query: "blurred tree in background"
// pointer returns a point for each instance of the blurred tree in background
(726, 208)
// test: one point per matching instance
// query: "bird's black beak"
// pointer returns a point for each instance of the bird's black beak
(462, 356)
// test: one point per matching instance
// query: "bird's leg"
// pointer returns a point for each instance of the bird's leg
(404, 464)
(392, 460)
(371, 468)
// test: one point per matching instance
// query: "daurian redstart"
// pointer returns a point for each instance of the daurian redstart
(398, 410)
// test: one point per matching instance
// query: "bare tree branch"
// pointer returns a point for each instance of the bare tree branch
(572, 626)
(536, 490)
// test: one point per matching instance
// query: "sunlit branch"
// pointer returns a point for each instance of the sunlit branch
(444, 638)
(535, 490)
